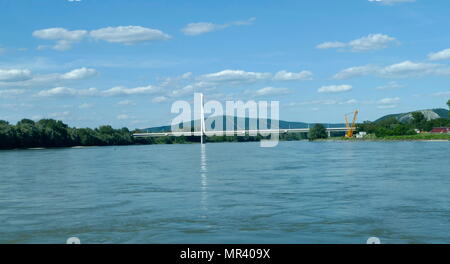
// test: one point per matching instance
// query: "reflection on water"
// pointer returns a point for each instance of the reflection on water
(204, 177)
(298, 192)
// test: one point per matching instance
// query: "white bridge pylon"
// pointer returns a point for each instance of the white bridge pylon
(202, 117)
(203, 133)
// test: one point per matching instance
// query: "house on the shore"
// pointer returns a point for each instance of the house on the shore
(441, 130)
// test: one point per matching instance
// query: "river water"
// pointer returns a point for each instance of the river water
(298, 192)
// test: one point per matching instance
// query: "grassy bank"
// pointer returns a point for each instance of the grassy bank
(418, 137)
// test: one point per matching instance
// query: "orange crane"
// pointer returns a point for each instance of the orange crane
(351, 128)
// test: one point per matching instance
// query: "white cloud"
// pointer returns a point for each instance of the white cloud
(175, 80)
(355, 72)
(126, 102)
(382, 103)
(243, 22)
(367, 43)
(120, 90)
(335, 88)
(350, 101)
(188, 89)
(60, 115)
(15, 106)
(115, 91)
(403, 69)
(371, 42)
(288, 76)
(60, 34)
(408, 69)
(62, 45)
(270, 91)
(42, 47)
(122, 34)
(37, 117)
(128, 34)
(159, 99)
(235, 76)
(391, 2)
(390, 86)
(388, 103)
(123, 117)
(85, 106)
(325, 102)
(441, 55)
(314, 102)
(389, 100)
(81, 73)
(65, 91)
(387, 106)
(187, 83)
(11, 93)
(57, 91)
(2, 50)
(195, 29)
(65, 38)
(442, 94)
(14, 75)
(331, 45)
(24, 78)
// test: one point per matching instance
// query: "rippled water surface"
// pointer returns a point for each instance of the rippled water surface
(298, 192)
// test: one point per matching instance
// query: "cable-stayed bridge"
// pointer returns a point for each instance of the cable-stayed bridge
(201, 131)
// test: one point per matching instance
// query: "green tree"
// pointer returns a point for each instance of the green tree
(87, 137)
(448, 103)
(7, 135)
(53, 133)
(317, 132)
(27, 135)
(419, 120)
(418, 117)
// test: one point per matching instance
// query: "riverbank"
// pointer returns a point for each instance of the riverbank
(191, 140)
(418, 137)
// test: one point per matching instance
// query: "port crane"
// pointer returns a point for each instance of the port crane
(351, 128)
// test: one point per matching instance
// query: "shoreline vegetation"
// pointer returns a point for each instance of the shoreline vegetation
(49, 133)
(426, 137)
(417, 137)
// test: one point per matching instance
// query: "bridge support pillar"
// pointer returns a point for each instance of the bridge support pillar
(202, 119)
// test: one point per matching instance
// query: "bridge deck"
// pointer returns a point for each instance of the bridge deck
(237, 132)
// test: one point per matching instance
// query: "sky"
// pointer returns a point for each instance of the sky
(123, 63)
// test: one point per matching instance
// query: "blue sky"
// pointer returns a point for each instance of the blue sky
(123, 63)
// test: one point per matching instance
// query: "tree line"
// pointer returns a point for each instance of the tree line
(393, 127)
(52, 133)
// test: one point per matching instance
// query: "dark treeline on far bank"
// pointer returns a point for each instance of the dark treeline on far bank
(52, 133)
(48, 133)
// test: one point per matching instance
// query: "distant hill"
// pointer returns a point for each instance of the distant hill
(429, 114)
(403, 117)
(282, 125)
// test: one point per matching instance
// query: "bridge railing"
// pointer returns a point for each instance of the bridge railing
(237, 132)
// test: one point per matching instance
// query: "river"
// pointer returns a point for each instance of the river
(298, 192)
